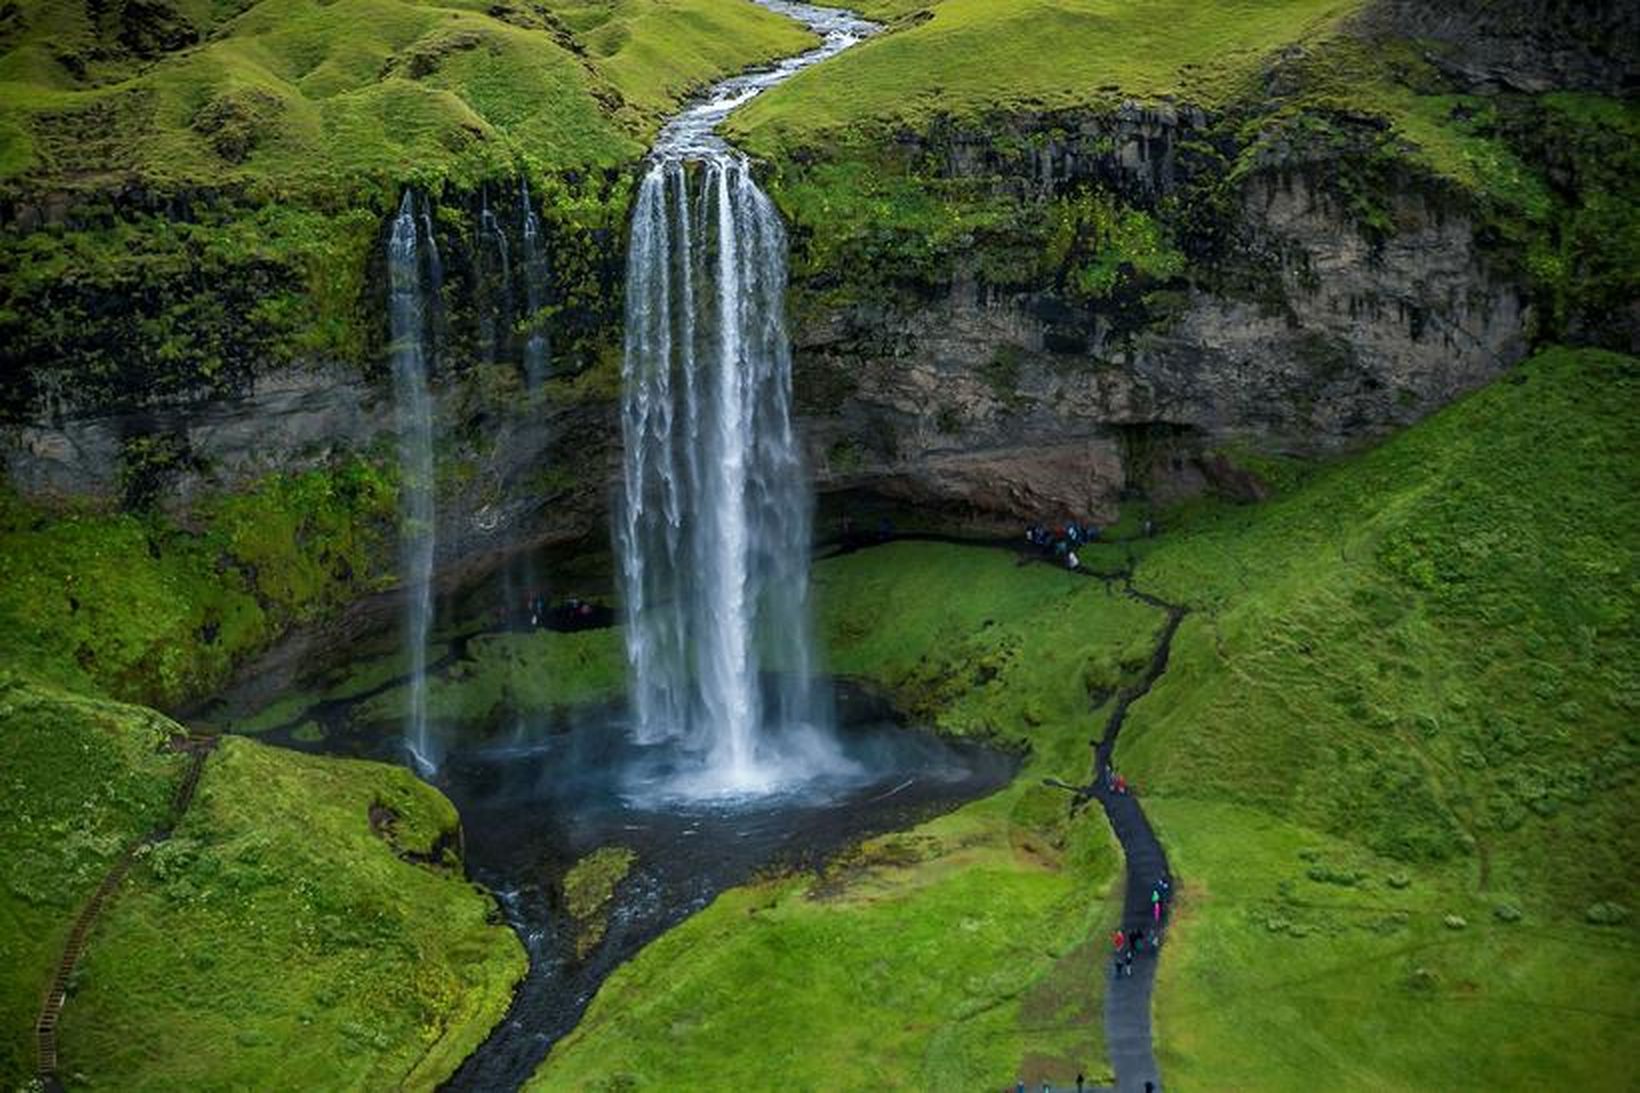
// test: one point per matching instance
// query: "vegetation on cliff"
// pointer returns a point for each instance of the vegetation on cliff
(139, 606)
(958, 144)
(192, 194)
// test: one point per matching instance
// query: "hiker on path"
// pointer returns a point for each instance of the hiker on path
(1071, 560)
(1121, 785)
(1118, 940)
(1156, 904)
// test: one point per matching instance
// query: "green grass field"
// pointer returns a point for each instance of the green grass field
(978, 57)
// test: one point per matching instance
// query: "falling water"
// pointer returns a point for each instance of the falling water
(436, 320)
(494, 281)
(714, 532)
(535, 292)
(414, 413)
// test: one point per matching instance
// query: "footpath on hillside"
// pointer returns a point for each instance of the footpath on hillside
(56, 996)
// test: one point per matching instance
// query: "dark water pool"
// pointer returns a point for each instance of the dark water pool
(552, 792)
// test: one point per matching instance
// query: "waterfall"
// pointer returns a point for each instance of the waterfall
(407, 316)
(535, 292)
(494, 283)
(714, 528)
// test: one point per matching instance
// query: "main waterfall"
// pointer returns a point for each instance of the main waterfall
(713, 529)
(408, 349)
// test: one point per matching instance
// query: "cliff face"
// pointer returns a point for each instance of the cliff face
(1283, 319)
(1293, 327)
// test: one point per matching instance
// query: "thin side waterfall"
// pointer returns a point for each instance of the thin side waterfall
(536, 348)
(494, 283)
(407, 316)
(714, 528)
(437, 321)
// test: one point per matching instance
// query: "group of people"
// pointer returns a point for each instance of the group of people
(1061, 542)
(572, 613)
(1081, 1085)
(1127, 945)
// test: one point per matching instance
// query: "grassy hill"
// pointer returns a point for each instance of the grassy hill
(289, 96)
(282, 912)
(967, 58)
(1396, 755)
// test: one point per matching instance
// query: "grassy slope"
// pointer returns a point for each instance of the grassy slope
(312, 956)
(957, 955)
(977, 56)
(324, 93)
(81, 779)
(1408, 692)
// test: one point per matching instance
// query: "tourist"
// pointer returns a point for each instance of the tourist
(1121, 785)
(1118, 940)
(1072, 561)
(1137, 939)
(1127, 964)
(1156, 904)
(1079, 1082)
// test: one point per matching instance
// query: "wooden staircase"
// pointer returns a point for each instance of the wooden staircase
(51, 1009)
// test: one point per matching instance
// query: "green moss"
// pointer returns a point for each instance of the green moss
(139, 607)
(589, 886)
(278, 902)
(502, 675)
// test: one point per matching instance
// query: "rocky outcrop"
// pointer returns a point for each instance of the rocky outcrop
(1520, 45)
(1299, 328)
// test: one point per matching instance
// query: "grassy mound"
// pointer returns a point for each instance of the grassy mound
(1395, 754)
(307, 926)
(294, 95)
(82, 780)
(960, 954)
